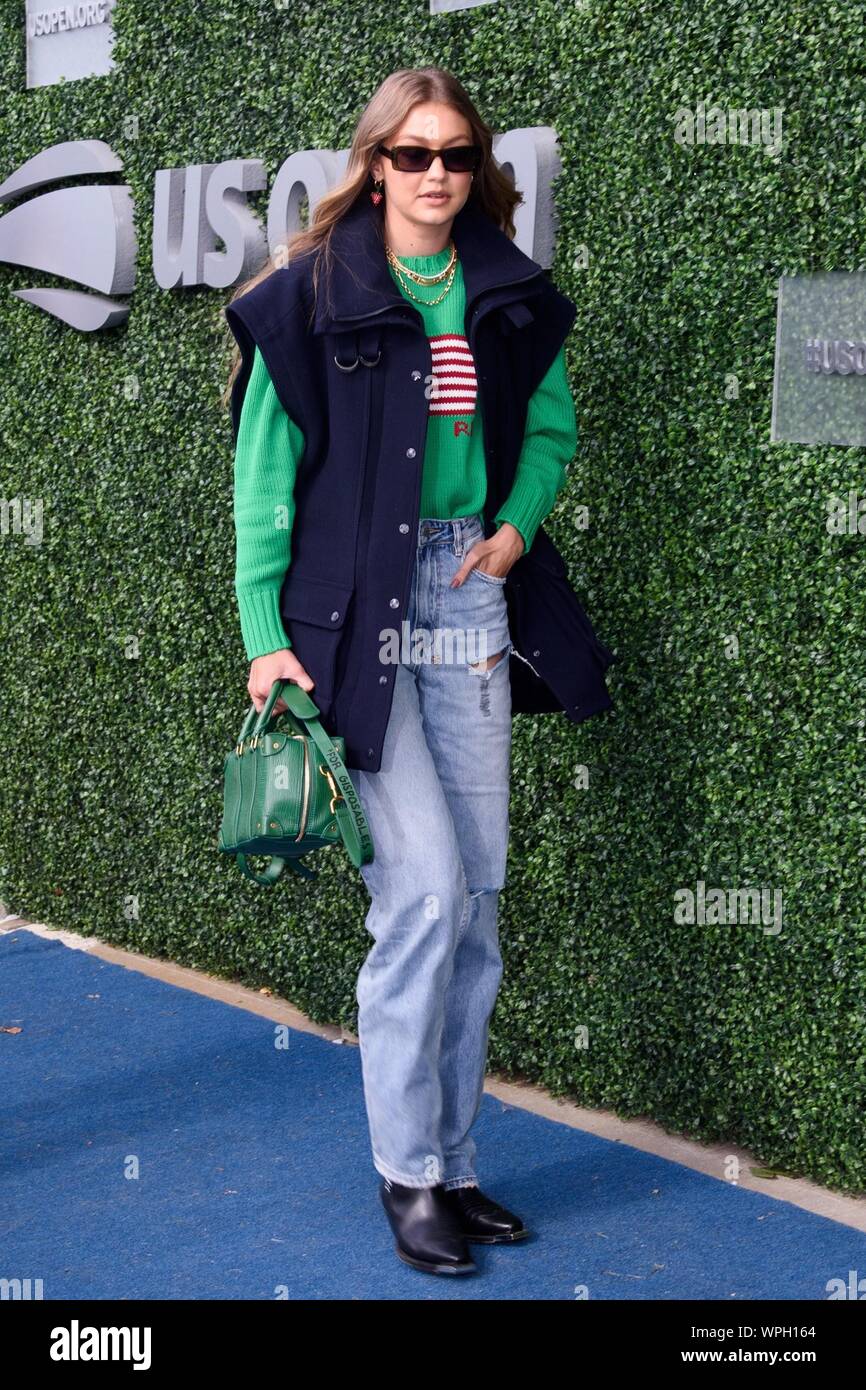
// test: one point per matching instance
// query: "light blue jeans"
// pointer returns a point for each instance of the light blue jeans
(438, 814)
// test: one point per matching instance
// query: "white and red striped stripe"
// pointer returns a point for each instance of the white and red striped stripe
(454, 387)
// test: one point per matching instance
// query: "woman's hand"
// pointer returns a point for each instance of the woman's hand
(499, 554)
(264, 670)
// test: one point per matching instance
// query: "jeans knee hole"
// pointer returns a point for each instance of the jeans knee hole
(482, 667)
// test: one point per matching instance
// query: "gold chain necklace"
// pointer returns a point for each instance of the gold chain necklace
(416, 275)
(401, 270)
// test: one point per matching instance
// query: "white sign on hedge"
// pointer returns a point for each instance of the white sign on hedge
(68, 41)
(819, 388)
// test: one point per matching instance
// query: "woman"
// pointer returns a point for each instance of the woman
(379, 520)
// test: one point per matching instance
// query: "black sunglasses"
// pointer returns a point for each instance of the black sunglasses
(414, 159)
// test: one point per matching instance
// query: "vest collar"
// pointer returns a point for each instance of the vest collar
(362, 285)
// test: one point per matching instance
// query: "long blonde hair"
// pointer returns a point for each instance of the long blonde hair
(384, 113)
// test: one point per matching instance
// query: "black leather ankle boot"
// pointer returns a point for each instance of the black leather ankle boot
(483, 1220)
(427, 1229)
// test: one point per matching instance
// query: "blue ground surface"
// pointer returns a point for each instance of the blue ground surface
(254, 1177)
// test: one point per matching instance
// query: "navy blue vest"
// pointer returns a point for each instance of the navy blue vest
(358, 484)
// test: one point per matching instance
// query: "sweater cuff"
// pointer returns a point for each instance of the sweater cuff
(261, 625)
(525, 510)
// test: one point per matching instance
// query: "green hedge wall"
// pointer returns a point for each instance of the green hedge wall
(729, 762)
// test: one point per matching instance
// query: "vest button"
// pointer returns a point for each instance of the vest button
(369, 752)
(383, 680)
(395, 603)
(416, 376)
(536, 653)
(410, 453)
(404, 527)
(334, 616)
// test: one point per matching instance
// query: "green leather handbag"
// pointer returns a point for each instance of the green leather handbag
(286, 793)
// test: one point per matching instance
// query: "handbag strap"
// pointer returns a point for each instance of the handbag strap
(274, 869)
(345, 803)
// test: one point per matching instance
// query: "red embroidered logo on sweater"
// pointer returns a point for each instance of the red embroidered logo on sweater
(453, 388)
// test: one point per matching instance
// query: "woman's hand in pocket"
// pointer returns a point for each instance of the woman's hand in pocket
(280, 665)
(498, 553)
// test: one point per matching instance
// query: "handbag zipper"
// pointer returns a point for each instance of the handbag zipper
(306, 802)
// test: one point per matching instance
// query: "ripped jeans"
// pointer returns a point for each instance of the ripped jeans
(438, 814)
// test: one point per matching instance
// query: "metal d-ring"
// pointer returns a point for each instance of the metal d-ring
(367, 361)
(360, 336)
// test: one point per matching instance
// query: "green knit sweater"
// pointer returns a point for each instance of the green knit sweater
(454, 477)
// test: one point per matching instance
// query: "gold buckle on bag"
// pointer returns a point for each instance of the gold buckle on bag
(336, 794)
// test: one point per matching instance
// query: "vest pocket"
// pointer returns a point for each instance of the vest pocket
(314, 613)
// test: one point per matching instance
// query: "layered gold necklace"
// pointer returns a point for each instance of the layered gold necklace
(417, 278)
